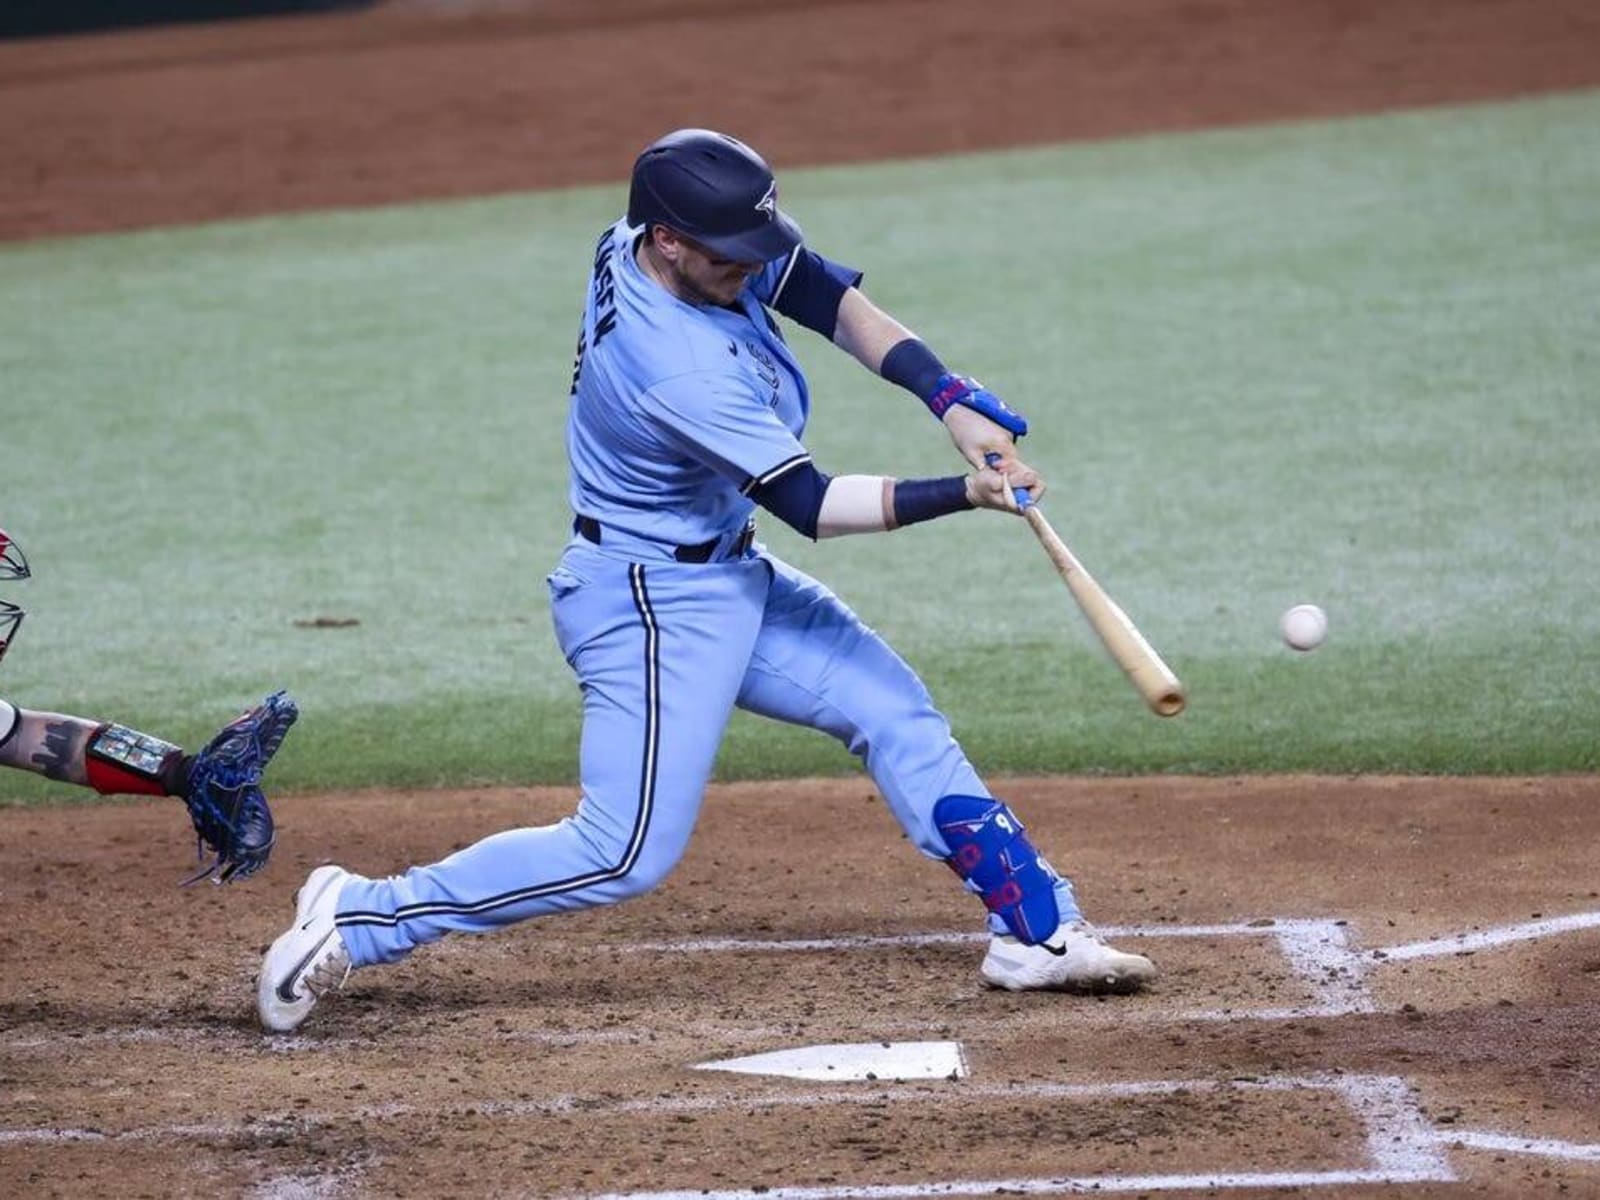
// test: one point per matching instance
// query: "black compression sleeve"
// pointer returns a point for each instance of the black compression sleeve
(811, 289)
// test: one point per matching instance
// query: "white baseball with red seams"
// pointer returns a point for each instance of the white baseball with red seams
(1304, 626)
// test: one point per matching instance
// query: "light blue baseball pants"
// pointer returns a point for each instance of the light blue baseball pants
(663, 651)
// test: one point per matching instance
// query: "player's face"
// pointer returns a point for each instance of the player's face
(706, 276)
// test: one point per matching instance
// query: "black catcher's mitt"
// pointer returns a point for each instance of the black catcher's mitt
(224, 794)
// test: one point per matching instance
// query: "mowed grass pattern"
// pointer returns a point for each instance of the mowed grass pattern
(1352, 363)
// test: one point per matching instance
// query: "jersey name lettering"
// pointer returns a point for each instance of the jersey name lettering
(605, 290)
(605, 307)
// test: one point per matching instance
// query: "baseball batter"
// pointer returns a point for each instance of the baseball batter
(219, 785)
(687, 413)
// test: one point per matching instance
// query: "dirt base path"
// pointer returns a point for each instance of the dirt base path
(430, 98)
(1309, 1019)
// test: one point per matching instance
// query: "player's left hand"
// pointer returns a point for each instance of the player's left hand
(996, 487)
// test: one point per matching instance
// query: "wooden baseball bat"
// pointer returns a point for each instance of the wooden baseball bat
(1152, 677)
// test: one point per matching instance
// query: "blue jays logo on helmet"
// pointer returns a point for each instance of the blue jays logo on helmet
(769, 203)
(716, 190)
(12, 566)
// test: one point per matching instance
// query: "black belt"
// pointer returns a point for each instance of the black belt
(589, 529)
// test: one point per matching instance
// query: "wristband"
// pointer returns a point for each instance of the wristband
(914, 367)
(120, 761)
(917, 369)
(924, 499)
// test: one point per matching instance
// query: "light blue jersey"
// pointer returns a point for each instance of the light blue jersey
(678, 410)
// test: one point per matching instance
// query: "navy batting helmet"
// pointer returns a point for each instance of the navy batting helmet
(716, 190)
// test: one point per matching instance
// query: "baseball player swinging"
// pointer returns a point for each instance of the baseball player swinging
(687, 410)
(220, 785)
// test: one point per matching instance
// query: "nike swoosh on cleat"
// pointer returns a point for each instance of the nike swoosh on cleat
(1058, 951)
(286, 986)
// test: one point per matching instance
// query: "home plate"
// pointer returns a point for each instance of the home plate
(853, 1060)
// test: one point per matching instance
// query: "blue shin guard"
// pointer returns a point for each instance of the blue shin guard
(990, 850)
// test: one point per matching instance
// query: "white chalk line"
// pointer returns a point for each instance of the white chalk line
(1399, 1137)
(1402, 1147)
(908, 1093)
(1262, 928)
(1304, 932)
(148, 1133)
(1508, 1143)
(247, 1039)
(1483, 939)
(1091, 1184)
(307, 1185)
(1318, 951)
(1321, 956)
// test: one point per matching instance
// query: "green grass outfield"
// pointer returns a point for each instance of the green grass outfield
(1355, 363)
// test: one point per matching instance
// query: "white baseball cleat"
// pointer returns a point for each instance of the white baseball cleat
(1072, 959)
(309, 960)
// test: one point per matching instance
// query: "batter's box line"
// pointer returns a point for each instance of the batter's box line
(1485, 939)
(1401, 1147)
(1318, 951)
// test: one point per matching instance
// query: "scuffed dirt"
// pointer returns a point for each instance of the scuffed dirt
(555, 1058)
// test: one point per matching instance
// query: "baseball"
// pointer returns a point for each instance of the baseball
(1304, 626)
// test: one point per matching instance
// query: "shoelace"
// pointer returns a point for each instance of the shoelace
(1080, 926)
(320, 979)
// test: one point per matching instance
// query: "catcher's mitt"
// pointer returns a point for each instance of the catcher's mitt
(224, 795)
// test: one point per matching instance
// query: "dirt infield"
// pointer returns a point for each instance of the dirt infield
(556, 1059)
(426, 98)
(1371, 986)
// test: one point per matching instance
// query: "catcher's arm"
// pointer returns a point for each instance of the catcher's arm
(220, 785)
(48, 744)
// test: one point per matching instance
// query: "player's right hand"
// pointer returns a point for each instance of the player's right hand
(991, 488)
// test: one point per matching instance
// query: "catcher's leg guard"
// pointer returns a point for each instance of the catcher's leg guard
(990, 850)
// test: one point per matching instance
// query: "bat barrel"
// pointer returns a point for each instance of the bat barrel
(1150, 676)
(1168, 702)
